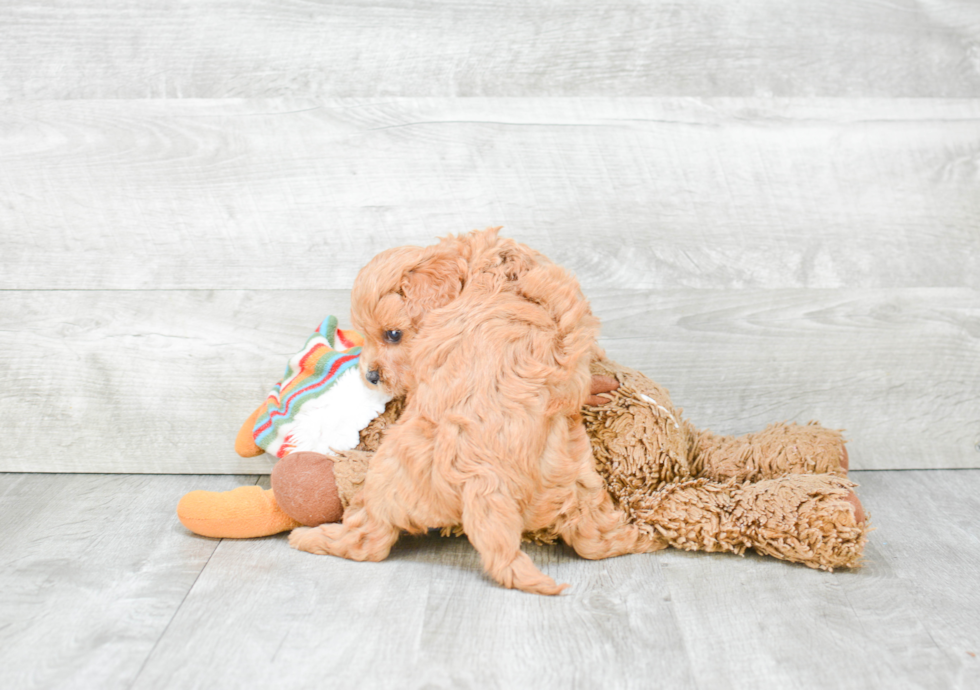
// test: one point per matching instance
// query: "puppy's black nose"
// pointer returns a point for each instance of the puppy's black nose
(373, 377)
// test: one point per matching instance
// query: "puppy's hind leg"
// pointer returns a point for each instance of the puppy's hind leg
(493, 525)
(598, 529)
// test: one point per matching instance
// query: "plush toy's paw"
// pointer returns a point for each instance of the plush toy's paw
(306, 488)
(858, 508)
(601, 384)
(816, 520)
(244, 512)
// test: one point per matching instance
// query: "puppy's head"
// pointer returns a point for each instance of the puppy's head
(390, 298)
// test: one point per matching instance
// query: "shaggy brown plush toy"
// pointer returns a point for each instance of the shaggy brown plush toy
(782, 491)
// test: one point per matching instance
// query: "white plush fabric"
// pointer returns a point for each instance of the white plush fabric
(332, 421)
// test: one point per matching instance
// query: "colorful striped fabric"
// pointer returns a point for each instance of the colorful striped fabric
(310, 373)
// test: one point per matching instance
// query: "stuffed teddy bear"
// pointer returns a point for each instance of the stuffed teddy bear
(782, 491)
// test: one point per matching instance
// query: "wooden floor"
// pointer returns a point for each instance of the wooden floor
(774, 208)
(102, 588)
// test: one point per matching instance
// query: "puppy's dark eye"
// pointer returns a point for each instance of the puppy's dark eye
(393, 337)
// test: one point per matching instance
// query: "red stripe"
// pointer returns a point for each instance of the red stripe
(333, 370)
(342, 337)
(304, 362)
(316, 348)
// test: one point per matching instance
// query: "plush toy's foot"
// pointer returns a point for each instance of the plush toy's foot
(816, 520)
(776, 450)
(858, 508)
(242, 513)
(307, 489)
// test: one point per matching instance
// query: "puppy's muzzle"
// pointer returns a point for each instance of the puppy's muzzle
(373, 376)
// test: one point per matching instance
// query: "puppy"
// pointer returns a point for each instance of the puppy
(491, 344)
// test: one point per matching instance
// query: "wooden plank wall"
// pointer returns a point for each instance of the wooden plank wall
(775, 209)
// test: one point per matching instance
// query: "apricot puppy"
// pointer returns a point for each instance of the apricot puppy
(495, 365)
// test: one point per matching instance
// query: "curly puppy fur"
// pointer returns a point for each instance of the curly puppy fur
(494, 356)
(400, 286)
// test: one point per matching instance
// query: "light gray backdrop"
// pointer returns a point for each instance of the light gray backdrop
(776, 219)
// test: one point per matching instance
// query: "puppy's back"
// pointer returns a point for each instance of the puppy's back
(496, 367)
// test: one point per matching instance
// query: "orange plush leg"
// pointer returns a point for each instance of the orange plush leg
(248, 511)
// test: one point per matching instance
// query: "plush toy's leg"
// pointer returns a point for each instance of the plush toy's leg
(815, 520)
(242, 513)
(777, 450)
(307, 489)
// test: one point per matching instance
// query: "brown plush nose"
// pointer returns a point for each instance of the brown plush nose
(373, 377)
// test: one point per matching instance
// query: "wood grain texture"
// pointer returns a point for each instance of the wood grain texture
(425, 617)
(160, 381)
(628, 193)
(106, 559)
(94, 569)
(928, 535)
(895, 368)
(262, 614)
(146, 381)
(906, 619)
(217, 49)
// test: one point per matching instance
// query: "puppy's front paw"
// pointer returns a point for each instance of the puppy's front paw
(310, 539)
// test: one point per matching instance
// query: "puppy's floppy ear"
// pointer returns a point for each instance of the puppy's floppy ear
(435, 281)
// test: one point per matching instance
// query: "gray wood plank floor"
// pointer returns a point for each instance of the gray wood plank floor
(102, 588)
